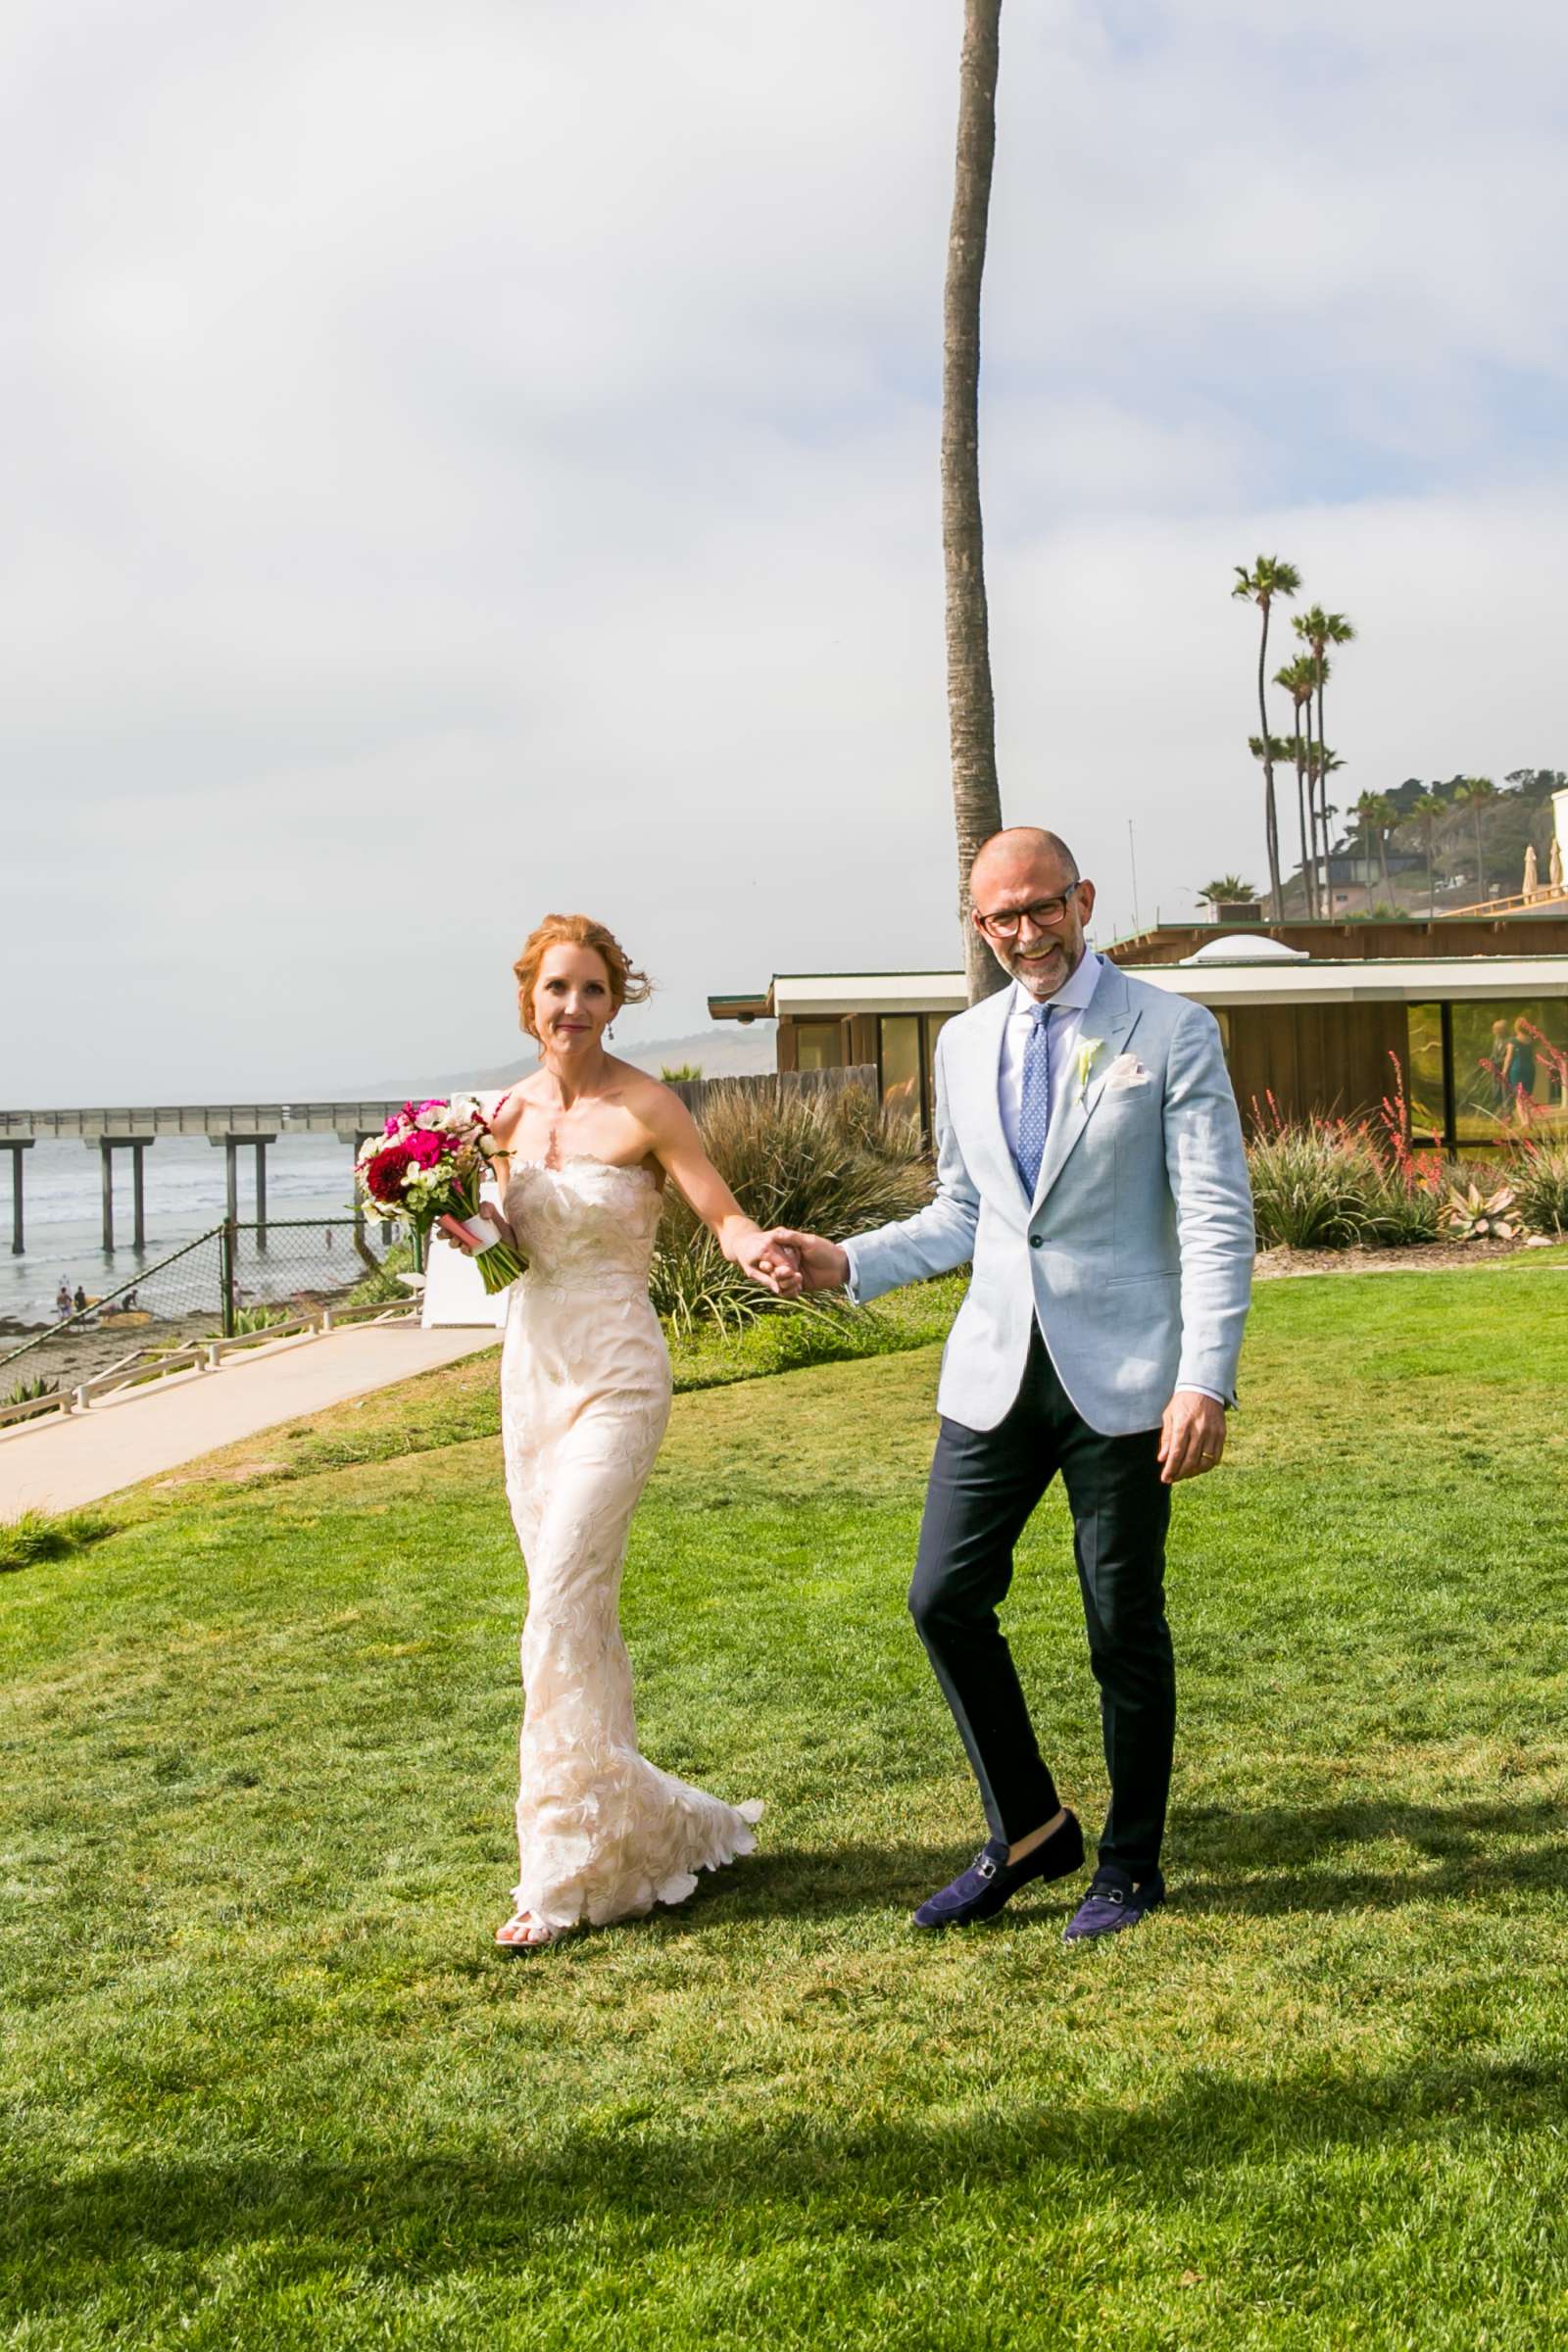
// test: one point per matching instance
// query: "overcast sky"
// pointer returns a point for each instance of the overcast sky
(469, 460)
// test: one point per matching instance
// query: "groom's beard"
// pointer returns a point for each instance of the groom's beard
(1042, 978)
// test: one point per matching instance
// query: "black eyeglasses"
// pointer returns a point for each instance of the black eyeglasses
(1045, 915)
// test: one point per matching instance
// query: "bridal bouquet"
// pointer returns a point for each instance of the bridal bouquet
(429, 1162)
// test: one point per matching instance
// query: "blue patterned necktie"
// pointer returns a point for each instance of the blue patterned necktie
(1033, 1111)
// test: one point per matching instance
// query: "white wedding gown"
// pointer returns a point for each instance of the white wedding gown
(585, 1391)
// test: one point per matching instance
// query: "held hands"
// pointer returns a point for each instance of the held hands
(767, 1260)
(823, 1265)
(1192, 1435)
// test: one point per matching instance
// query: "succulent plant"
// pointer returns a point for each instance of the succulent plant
(1470, 1215)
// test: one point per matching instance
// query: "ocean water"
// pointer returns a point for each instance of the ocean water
(309, 1177)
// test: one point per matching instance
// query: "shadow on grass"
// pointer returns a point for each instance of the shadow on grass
(1274, 1861)
(1284, 1858)
(627, 2168)
(819, 1883)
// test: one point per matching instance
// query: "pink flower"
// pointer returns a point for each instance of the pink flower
(426, 1148)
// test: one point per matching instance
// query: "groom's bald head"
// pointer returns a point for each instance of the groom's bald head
(1022, 845)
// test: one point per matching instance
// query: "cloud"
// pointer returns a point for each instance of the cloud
(463, 465)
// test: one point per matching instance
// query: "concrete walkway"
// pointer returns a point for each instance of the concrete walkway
(56, 1465)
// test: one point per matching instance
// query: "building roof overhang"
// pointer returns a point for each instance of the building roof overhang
(1383, 980)
(1391, 980)
(824, 995)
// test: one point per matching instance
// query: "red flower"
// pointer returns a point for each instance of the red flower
(383, 1178)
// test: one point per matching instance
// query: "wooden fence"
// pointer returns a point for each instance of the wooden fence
(694, 1092)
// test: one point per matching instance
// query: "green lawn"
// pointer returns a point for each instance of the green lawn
(266, 2085)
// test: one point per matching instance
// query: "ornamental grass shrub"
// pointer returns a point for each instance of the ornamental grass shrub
(829, 1163)
(1315, 1186)
(1538, 1175)
(1336, 1183)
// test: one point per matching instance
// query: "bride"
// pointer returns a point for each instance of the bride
(585, 1392)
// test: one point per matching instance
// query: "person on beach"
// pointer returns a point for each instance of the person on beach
(587, 1145)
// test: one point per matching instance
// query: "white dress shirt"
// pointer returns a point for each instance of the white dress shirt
(1067, 1009)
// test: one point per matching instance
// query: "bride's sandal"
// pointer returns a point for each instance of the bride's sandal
(534, 1934)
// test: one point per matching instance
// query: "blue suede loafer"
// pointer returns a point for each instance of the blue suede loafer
(1112, 1903)
(990, 1881)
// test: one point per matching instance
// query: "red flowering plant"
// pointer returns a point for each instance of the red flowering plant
(428, 1162)
(1414, 1171)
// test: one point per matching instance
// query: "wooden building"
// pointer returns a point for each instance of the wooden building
(1315, 1017)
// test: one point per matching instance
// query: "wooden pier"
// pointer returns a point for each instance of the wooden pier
(234, 1126)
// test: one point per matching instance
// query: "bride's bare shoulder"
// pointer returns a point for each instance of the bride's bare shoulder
(504, 1108)
(651, 1102)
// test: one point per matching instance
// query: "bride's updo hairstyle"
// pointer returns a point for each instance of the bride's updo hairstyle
(627, 987)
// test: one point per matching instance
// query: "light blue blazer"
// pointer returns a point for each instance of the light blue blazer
(1136, 1251)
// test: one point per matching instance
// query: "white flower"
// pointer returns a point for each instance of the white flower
(1090, 1046)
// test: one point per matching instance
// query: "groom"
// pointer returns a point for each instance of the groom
(1090, 1164)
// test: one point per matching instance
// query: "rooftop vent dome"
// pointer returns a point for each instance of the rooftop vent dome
(1248, 947)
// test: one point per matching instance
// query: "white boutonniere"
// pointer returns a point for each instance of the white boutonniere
(1086, 1062)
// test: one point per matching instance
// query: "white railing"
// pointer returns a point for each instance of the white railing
(35, 1408)
(149, 1364)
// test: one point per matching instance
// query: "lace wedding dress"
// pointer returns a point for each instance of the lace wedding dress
(601, 1834)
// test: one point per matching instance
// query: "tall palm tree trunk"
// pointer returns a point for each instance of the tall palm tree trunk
(1481, 878)
(971, 707)
(1271, 824)
(1323, 799)
(1308, 861)
(1320, 847)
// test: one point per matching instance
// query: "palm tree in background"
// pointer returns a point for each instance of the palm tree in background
(1271, 752)
(1473, 793)
(1229, 887)
(1297, 681)
(1385, 816)
(1314, 827)
(1319, 630)
(1427, 810)
(1321, 764)
(1268, 578)
(972, 705)
(1366, 808)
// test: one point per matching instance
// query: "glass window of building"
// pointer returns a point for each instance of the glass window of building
(1423, 1073)
(1510, 1062)
(935, 1023)
(898, 1064)
(820, 1045)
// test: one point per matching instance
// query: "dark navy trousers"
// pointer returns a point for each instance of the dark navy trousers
(984, 1484)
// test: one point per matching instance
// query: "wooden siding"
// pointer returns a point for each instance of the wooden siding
(1325, 1058)
(1414, 939)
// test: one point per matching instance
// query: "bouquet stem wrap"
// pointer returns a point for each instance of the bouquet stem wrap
(498, 1263)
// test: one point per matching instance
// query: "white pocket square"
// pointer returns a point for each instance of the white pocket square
(1126, 1071)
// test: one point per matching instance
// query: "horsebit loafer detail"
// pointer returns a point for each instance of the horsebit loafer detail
(1112, 1903)
(990, 1881)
